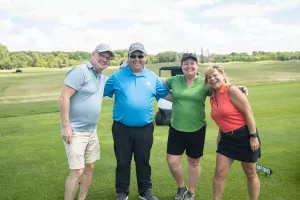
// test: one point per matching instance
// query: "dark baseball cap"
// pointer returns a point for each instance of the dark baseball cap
(100, 48)
(136, 47)
(189, 55)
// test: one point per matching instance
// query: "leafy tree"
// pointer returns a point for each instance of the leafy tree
(202, 56)
(4, 57)
(168, 56)
(20, 59)
(55, 59)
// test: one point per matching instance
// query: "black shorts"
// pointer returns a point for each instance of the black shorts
(190, 142)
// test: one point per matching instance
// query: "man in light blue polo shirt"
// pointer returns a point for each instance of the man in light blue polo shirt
(135, 88)
(80, 107)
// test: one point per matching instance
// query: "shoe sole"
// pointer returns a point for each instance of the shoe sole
(142, 198)
(183, 195)
(125, 199)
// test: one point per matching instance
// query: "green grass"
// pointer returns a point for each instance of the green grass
(33, 162)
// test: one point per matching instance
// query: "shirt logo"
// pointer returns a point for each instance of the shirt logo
(148, 83)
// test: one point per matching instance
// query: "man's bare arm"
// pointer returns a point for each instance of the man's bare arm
(169, 97)
(64, 107)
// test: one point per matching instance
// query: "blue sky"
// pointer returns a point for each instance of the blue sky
(222, 26)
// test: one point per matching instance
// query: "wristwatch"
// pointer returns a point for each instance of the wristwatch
(254, 135)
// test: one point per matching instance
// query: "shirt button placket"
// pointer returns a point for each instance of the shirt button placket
(136, 80)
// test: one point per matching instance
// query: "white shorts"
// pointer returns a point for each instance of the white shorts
(83, 149)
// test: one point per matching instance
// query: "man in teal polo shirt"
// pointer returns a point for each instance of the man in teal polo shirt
(135, 88)
(80, 107)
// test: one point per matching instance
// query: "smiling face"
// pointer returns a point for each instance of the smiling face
(189, 67)
(137, 60)
(100, 60)
(215, 78)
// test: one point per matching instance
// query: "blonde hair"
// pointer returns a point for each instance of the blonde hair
(211, 69)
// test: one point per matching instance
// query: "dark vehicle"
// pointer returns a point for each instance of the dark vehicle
(163, 116)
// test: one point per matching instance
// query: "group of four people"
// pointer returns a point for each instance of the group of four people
(134, 88)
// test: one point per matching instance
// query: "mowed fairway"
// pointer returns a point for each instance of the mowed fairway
(33, 162)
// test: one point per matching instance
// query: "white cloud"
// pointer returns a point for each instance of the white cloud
(79, 13)
(184, 36)
(160, 25)
(261, 34)
(25, 39)
(253, 10)
(264, 27)
(6, 25)
(192, 4)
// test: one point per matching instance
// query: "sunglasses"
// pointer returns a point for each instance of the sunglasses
(136, 56)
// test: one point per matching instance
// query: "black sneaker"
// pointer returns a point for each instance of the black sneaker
(189, 196)
(181, 192)
(122, 196)
(148, 196)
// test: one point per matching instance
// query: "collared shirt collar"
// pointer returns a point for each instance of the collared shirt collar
(222, 91)
(143, 73)
(90, 66)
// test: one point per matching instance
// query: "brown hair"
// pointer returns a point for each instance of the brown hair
(209, 70)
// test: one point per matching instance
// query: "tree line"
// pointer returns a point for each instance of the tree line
(56, 59)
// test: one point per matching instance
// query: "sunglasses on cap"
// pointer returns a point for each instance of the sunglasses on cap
(136, 56)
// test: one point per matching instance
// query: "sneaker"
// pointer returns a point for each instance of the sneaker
(181, 193)
(148, 196)
(122, 196)
(189, 196)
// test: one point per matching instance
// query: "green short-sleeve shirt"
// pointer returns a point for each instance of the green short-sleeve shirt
(188, 109)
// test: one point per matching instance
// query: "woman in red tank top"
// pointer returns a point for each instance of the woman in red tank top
(238, 138)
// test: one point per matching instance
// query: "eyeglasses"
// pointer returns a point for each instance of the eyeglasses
(106, 57)
(136, 56)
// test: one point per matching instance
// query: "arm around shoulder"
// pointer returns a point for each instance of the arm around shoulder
(161, 89)
(240, 101)
(109, 87)
(163, 80)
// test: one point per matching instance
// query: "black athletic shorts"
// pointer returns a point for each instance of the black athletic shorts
(190, 142)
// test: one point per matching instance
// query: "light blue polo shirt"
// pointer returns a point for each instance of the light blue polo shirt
(85, 104)
(134, 95)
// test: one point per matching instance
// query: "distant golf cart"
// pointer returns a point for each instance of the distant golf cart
(163, 116)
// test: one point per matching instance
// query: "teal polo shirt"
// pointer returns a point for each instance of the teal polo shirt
(188, 108)
(134, 95)
(85, 104)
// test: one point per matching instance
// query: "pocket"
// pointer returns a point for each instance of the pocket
(75, 134)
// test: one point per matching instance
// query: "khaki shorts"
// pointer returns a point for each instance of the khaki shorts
(84, 148)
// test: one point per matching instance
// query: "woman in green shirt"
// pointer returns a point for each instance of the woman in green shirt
(187, 126)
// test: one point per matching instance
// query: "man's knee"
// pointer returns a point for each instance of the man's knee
(76, 173)
(89, 167)
(125, 162)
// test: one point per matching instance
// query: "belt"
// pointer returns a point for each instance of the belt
(234, 131)
(133, 126)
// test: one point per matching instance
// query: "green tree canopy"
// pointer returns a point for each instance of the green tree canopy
(20, 59)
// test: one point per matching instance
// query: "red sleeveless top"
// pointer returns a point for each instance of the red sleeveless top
(224, 113)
